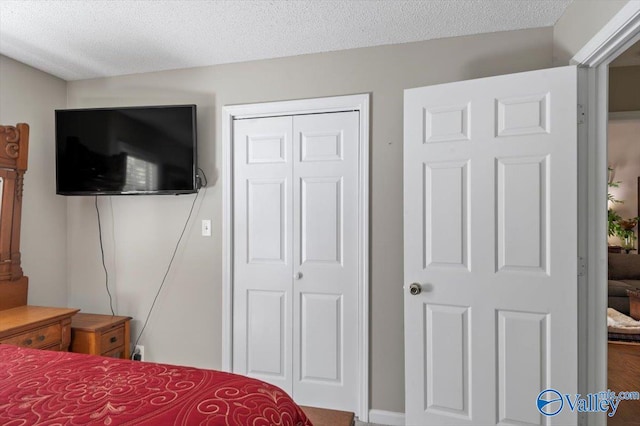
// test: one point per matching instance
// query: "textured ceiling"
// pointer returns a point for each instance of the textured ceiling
(85, 39)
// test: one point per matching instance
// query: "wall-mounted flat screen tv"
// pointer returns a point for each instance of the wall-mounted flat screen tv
(131, 150)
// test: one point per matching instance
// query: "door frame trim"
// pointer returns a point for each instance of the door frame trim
(615, 37)
(360, 103)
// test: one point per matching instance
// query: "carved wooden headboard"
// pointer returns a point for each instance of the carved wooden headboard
(14, 149)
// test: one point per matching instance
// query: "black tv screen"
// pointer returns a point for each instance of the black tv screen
(132, 150)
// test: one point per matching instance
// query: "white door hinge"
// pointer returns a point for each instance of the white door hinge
(581, 114)
(582, 267)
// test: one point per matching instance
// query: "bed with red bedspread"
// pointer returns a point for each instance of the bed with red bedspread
(60, 388)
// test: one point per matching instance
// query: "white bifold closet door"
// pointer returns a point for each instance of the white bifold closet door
(295, 255)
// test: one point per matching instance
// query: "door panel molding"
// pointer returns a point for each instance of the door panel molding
(258, 220)
(450, 205)
(265, 341)
(447, 337)
(313, 212)
(359, 103)
(517, 221)
(321, 315)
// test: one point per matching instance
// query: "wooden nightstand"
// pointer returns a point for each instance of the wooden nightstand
(104, 335)
(37, 327)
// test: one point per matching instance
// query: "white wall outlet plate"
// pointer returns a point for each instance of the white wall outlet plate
(206, 227)
(138, 350)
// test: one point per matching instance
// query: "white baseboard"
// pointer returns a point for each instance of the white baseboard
(389, 418)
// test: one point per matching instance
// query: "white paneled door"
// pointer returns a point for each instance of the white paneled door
(296, 255)
(490, 182)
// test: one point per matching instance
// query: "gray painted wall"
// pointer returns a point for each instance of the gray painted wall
(30, 96)
(624, 88)
(142, 231)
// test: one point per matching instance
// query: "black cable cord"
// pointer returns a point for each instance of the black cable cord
(104, 265)
(175, 250)
(206, 181)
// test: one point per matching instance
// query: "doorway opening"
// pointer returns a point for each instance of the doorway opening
(594, 59)
(623, 214)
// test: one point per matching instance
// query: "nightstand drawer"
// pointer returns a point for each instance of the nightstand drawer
(112, 339)
(38, 338)
(115, 353)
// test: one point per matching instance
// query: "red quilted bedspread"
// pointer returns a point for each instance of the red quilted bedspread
(59, 388)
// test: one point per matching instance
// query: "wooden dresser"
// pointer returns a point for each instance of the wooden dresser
(37, 327)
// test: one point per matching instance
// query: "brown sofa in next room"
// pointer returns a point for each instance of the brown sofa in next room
(624, 274)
